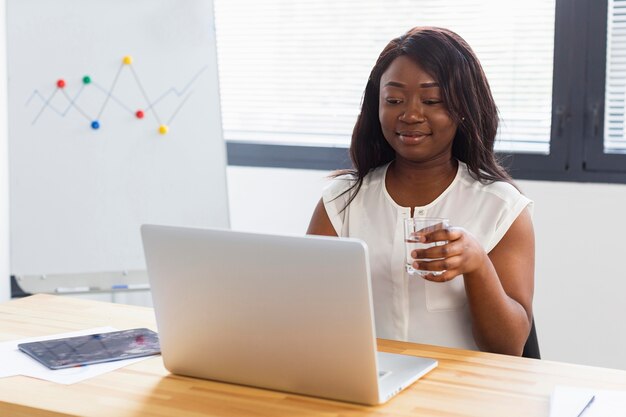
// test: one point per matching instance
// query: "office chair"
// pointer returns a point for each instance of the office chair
(531, 348)
(16, 290)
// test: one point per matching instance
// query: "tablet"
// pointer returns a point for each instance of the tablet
(95, 348)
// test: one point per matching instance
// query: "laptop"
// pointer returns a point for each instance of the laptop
(286, 313)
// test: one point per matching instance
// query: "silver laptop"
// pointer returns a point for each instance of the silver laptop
(285, 313)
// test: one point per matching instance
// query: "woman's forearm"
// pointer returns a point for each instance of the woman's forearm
(500, 323)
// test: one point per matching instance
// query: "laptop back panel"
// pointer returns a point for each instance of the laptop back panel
(285, 313)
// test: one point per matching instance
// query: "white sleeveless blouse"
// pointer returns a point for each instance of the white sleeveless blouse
(411, 308)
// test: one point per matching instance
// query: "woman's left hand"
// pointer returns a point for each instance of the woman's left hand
(459, 253)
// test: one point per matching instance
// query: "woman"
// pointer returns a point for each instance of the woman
(423, 146)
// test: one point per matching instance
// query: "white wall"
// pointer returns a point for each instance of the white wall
(580, 302)
(580, 294)
(4, 163)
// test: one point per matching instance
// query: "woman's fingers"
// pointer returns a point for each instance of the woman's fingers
(446, 264)
(455, 252)
(452, 248)
(442, 277)
(442, 235)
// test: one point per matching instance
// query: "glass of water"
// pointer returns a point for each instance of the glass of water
(413, 229)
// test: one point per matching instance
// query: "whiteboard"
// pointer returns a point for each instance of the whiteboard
(114, 121)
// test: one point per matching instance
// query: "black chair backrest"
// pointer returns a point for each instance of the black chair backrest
(16, 290)
(531, 348)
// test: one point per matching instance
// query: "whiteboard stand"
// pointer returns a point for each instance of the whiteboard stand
(125, 287)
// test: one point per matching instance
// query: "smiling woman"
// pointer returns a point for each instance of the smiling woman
(423, 146)
(409, 97)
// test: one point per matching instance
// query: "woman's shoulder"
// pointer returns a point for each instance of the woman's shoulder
(343, 182)
(499, 190)
(339, 184)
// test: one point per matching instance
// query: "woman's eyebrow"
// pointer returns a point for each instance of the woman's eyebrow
(402, 85)
(395, 84)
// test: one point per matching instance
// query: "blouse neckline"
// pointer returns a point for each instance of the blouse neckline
(427, 206)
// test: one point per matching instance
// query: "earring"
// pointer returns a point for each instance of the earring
(462, 119)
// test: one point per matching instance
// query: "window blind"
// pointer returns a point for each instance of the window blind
(615, 92)
(293, 72)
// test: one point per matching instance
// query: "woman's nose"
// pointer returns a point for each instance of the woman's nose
(412, 114)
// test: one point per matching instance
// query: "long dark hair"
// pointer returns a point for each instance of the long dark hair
(466, 94)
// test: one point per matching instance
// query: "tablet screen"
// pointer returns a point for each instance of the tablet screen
(95, 348)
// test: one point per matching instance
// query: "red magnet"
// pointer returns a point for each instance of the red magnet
(61, 83)
(139, 114)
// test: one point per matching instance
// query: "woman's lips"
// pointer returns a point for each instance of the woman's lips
(412, 136)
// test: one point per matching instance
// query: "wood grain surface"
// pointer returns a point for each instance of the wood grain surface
(465, 383)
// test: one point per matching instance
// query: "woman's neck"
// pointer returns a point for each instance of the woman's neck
(413, 184)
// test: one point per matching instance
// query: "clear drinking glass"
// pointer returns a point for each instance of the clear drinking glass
(413, 229)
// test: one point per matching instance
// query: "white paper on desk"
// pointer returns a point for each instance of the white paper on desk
(570, 401)
(15, 362)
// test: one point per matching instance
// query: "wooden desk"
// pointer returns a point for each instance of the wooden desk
(465, 383)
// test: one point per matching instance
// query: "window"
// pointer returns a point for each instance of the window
(607, 140)
(615, 97)
(292, 75)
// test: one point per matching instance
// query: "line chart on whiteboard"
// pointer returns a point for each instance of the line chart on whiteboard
(138, 111)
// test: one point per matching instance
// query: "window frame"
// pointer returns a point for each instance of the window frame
(576, 140)
(595, 158)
